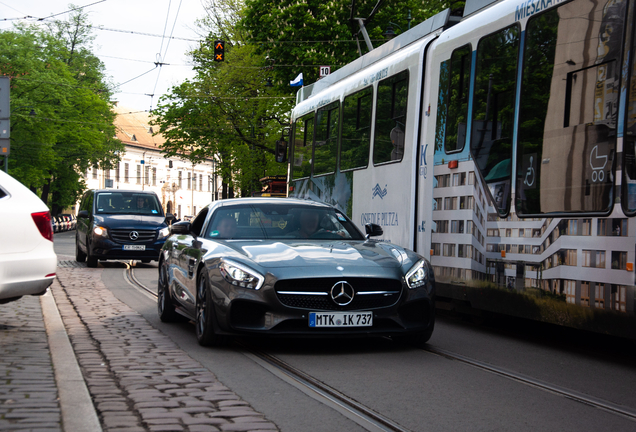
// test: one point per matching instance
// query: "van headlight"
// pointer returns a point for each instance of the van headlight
(163, 233)
(417, 276)
(100, 231)
(238, 275)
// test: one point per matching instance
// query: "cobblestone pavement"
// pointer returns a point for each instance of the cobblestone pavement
(28, 393)
(138, 379)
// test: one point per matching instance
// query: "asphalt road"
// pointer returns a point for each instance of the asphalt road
(422, 390)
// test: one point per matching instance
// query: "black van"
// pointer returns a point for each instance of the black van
(120, 224)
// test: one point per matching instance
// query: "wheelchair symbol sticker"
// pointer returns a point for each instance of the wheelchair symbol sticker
(530, 175)
(597, 163)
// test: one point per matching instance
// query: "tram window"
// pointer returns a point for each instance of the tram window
(493, 112)
(303, 140)
(629, 143)
(356, 130)
(567, 136)
(326, 145)
(458, 89)
(390, 118)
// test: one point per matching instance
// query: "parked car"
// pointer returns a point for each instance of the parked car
(70, 221)
(119, 224)
(27, 259)
(273, 266)
(55, 223)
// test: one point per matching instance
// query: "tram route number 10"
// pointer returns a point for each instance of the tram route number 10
(324, 71)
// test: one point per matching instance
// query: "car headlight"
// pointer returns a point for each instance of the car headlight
(100, 231)
(163, 233)
(240, 276)
(417, 276)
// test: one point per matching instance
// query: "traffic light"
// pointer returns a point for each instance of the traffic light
(219, 50)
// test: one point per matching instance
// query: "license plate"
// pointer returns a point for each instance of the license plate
(135, 247)
(340, 319)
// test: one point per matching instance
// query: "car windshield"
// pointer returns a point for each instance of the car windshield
(281, 221)
(128, 203)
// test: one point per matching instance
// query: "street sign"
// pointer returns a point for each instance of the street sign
(324, 71)
(5, 147)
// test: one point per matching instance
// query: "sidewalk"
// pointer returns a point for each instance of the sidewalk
(131, 377)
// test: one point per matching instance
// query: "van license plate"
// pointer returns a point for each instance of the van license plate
(340, 319)
(135, 247)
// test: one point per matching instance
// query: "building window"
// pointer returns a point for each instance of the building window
(194, 181)
(117, 171)
(450, 203)
(189, 180)
(209, 183)
(619, 260)
(619, 298)
(94, 173)
(154, 176)
(570, 291)
(612, 227)
(442, 226)
(471, 178)
(449, 250)
(200, 182)
(138, 174)
(147, 174)
(179, 208)
(599, 296)
(435, 249)
(459, 179)
(437, 204)
(126, 173)
(585, 294)
(443, 180)
(180, 183)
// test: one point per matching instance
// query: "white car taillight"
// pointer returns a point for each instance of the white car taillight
(43, 222)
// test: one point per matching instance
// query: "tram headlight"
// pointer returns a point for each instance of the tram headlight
(417, 276)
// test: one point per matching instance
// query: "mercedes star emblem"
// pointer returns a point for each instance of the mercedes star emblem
(342, 293)
(134, 235)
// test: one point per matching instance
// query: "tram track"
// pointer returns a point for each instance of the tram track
(373, 421)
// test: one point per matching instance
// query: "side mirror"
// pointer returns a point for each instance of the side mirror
(169, 216)
(180, 228)
(281, 151)
(82, 214)
(373, 230)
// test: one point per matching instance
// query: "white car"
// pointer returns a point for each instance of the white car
(27, 259)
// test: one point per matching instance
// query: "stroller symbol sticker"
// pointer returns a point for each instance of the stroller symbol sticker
(597, 163)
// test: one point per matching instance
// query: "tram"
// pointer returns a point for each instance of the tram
(501, 146)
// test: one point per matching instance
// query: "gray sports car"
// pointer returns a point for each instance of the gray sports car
(287, 267)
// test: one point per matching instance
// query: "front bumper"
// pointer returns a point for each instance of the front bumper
(106, 249)
(244, 311)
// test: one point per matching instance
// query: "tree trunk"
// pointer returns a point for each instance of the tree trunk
(45, 192)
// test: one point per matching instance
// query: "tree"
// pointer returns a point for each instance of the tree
(62, 83)
(226, 111)
(300, 35)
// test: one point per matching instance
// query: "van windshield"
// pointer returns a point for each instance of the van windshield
(128, 203)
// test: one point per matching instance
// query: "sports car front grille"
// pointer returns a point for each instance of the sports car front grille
(315, 294)
(123, 235)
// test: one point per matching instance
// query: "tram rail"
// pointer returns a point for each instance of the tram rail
(366, 417)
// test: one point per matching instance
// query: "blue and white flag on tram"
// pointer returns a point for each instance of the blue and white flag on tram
(298, 81)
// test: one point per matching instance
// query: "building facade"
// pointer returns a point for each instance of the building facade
(183, 188)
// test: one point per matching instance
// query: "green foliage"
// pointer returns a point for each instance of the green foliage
(226, 111)
(300, 35)
(61, 117)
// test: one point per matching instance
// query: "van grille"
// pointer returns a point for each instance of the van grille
(123, 235)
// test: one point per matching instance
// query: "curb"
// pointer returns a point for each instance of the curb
(78, 411)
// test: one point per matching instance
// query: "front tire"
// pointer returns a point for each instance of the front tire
(79, 255)
(165, 307)
(205, 314)
(91, 261)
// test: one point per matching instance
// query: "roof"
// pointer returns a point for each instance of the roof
(133, 128)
